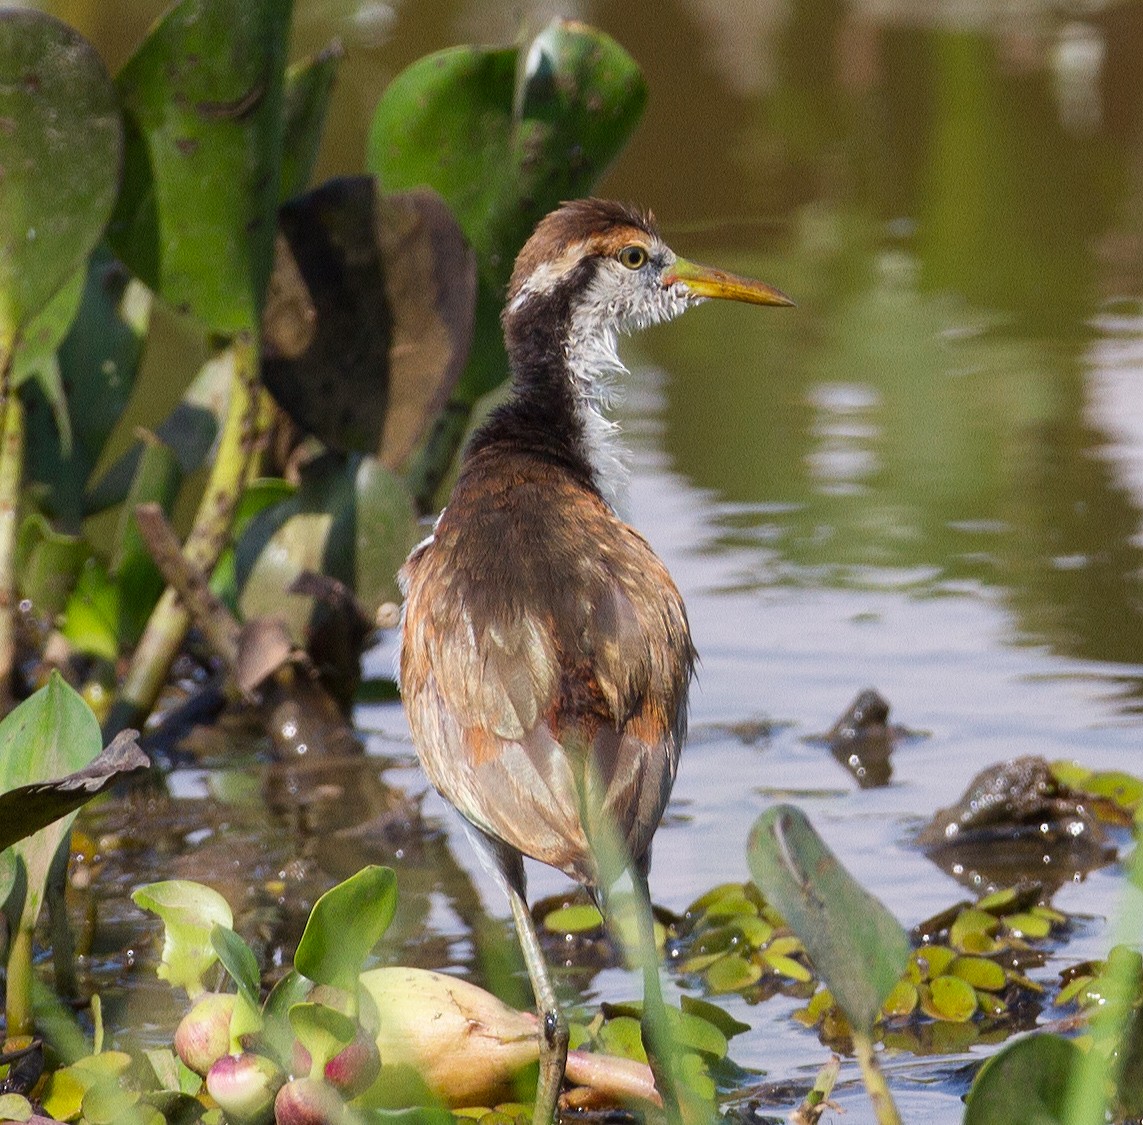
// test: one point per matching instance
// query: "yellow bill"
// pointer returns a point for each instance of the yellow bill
(706, 281)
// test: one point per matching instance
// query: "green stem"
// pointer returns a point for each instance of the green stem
(11, 470)
(168, 623)
(883, 1104)
(1098, 1069)
(18, 1007)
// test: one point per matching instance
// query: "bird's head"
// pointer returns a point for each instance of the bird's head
(598, 268)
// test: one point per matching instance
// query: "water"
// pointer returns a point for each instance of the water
(927, 478)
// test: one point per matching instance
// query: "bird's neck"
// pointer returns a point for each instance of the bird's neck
(562, 381)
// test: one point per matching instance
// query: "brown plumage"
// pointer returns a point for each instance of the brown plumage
(539, 622)
(546, 655)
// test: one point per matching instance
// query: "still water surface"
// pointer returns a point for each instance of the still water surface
(927, 478)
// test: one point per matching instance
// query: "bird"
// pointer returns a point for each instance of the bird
(546, 656)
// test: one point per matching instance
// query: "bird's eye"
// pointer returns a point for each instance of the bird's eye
(633, 257)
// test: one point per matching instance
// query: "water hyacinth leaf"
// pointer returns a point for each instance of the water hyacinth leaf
(190, 431)
(368, 317)
(60, 149)
(97, 362)
(26, 809)
(238, 960)
(49, 736)
(855, 944)
(277, 1034)
(91, 618)
(203, 98)
(504, 140)
(344, 926)
(1023, 1084)
(189, 912)
(48, 565)
(322, 1030)
(35, 356)
(351, 519)
(309, 87)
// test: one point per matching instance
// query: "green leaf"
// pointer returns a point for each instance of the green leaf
(344, 926)
(855, 944)
(239, 961)
(351, 519)
(190, 430)
(35, 355)
(50, 735)
(48, 565)
(97, 363)
(504, 137)
(277, 1034)
(189, 912)
(950, 998)
(1023, 1084)
(203, 100)
(713, 1014)
(309, 86)
(91, 619)
(575, 918)
(323, 1032)
(15, 1107)
(26, 809)
(60, 149)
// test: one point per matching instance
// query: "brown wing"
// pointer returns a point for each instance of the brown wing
(545, 664)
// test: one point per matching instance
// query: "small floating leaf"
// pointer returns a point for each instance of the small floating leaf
(902, 1000)
(856, 945)
(979, 972)
(933, 960)
(787, 966)
(576, 918)
(732, 973)
(950, 998)
(713, 1014)
(972, 931)
(1028, 925)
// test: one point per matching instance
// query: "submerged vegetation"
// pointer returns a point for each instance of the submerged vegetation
(346, 332)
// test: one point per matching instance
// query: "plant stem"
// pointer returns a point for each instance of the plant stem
(883, 1104)
(18, 1006)
(1098, 1069)
(11, 469)
(167, 626)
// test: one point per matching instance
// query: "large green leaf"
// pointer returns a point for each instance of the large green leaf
(203, 102)
(856, 945)
(50, 735)
(1024, 1084)
(97, 363)
(60, 148)
(505, 143)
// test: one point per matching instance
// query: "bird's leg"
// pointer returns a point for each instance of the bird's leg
(553, 1024)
